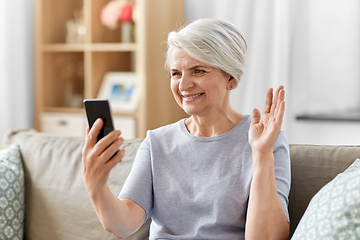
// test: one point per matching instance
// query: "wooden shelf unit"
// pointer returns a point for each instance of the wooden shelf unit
(82, 66)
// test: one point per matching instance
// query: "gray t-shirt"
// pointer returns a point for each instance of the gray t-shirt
(198, 187)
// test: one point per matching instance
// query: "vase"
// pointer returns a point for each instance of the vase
(127, 32)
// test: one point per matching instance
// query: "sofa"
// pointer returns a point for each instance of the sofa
(56, 205)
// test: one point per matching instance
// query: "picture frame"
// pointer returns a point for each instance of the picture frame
(121, 89)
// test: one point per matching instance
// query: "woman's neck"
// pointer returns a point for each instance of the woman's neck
(214, 125)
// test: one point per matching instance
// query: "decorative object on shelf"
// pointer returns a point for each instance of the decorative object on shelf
(127, 25)
(120, 11)
(75, 28)
(73, 77)
(121, 89)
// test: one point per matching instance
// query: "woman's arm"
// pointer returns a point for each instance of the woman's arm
(121, 217)
(266, 218)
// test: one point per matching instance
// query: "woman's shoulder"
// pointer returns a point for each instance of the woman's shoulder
(166, 131)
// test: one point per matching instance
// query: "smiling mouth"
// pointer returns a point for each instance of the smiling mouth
(193, 96)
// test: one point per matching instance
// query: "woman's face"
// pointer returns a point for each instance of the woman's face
(198, 89)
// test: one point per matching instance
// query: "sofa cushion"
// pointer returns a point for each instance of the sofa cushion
(12, 201)
(57, 205)
(312, 167)
(333, 213)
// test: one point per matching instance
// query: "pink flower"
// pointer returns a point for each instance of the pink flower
(111, 12)
(126, 13)
(115, 11)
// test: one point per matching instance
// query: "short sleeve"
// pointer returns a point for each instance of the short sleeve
(282, 171)
(138, 186)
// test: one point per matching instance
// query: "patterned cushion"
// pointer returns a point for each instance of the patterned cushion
(334, 212)
(12, 189)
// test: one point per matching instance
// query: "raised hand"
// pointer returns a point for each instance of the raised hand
(265, 128)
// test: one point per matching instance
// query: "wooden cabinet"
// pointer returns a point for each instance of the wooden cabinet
(66, 73)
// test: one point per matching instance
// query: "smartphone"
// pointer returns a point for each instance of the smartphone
(99, 108)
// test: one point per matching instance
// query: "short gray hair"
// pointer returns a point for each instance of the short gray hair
(213, 42)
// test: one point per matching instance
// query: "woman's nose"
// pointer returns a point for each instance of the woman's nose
(185, 83)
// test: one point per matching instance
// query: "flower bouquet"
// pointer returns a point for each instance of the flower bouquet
(119, 11)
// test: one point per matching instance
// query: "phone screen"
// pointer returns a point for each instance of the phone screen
(99, 108)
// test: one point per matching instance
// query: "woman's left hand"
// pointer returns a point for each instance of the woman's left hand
(268, 215)
(264, 130)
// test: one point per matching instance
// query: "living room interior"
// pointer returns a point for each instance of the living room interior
(310, 47)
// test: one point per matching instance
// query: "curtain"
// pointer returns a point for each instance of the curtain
(16, 64)
(266, 28)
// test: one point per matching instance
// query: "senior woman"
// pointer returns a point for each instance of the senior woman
(217, 174)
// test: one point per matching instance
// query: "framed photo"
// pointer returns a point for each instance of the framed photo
(121, 89)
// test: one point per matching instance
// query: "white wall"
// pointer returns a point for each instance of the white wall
(16, 64)
(323, 70)
(325, 74)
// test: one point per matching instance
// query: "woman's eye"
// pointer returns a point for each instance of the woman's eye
(198, 71)
(175, 74)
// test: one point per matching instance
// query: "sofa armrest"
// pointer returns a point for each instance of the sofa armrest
(312, 167)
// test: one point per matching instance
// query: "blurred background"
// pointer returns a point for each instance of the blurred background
(312, 47)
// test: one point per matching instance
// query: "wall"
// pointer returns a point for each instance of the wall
(325, 74)
(310, 46)
(16, 64)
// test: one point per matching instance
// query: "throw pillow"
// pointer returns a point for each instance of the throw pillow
(334, 212)
(12, 189)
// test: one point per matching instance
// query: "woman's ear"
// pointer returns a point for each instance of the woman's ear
(232, 83)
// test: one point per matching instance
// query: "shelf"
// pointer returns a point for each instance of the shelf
(82, 111)
(126, 114)
(112, 47)
(70, 66)
(53, 17)
(336, 116)
(62, 47)
(96, 47)
(64, 110)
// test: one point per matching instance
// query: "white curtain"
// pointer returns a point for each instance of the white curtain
(16, 64)
(266, 27)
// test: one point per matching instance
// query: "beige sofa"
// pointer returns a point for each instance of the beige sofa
(57, 206)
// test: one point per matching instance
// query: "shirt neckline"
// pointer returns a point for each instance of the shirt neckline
(216, 138)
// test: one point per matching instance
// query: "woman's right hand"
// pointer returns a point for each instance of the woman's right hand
(97, 157)
(121, 217)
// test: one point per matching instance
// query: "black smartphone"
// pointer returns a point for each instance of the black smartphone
(99, 108)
